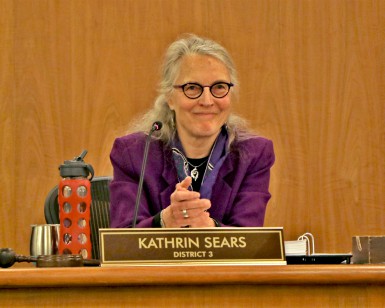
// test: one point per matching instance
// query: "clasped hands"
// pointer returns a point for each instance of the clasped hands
(187, 208)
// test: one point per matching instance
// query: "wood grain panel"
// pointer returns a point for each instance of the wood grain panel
(75, 73)
(196, 296)
(8, 162)
(329, 119)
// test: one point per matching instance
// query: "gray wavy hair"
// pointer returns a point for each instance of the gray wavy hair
(187, 45)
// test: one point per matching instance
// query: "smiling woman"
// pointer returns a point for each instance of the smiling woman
(205, 168)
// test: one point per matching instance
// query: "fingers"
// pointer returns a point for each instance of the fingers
(192, 209)
(197, 219)
(188, 200)
(192, 206)
(188, 213)
(185, 184)
(186, 207)
(182, 193)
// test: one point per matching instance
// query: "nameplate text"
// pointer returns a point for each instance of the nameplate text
(145, 246)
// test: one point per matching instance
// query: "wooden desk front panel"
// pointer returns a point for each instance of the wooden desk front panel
(193, 286)
(198, 296)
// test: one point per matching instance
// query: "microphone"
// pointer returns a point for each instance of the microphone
(155, 126)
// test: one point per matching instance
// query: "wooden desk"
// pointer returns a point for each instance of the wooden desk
(195, 286)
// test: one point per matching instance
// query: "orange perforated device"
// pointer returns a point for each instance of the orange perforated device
(74, 212)
(74, 199)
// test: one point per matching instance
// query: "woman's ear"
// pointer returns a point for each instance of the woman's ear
(170, 103)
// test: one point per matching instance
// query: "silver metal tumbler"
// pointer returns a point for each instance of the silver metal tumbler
(44, 239)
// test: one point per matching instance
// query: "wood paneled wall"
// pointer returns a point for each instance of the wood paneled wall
(74, 73)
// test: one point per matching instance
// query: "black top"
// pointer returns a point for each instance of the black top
(200, 164)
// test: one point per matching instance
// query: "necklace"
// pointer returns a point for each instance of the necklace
(195, 173)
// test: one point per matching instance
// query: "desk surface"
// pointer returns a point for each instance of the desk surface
(196, 286)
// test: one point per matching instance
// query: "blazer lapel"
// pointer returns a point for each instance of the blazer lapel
(222, 189)
(169, 176)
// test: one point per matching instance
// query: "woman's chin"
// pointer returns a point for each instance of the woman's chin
(207, 131)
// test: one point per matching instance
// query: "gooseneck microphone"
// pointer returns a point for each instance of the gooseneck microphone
(155, 126)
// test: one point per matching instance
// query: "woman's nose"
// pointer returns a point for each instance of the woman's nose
(206, 99)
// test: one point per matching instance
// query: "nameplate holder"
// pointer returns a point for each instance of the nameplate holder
(191, 246)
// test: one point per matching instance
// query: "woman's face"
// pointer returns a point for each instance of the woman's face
(202, 117)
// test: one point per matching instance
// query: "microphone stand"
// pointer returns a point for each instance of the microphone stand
(155, 126)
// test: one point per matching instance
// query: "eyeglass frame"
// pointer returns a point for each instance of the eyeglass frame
(229, 84)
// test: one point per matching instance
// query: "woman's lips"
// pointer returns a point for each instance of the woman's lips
(205, 114)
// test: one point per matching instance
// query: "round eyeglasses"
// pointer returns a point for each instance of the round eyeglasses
(194, 90)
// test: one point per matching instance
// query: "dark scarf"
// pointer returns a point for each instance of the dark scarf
(216, 158)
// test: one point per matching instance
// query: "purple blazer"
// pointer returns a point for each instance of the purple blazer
(239, 195)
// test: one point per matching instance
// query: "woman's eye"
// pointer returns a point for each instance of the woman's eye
(220, 86)
(191, 87)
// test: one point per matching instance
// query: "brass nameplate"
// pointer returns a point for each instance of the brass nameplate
(146, 246)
